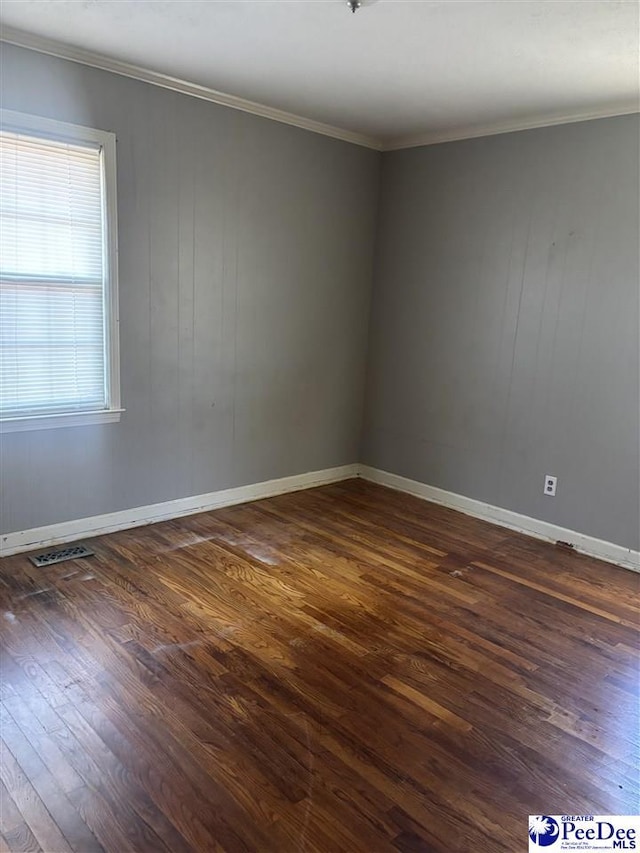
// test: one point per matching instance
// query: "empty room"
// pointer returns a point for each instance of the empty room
(319, 426)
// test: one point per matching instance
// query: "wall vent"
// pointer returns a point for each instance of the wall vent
(73, 552)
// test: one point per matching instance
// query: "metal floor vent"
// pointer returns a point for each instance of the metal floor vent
(61, 554)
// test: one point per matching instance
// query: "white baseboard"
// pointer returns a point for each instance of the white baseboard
(69, 531)
(607, 551)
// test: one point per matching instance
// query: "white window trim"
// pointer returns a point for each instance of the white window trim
(75, 133)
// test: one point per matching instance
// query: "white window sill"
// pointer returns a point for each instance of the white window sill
(65, 419)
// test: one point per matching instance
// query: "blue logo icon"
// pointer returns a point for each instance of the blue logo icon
(543, 830)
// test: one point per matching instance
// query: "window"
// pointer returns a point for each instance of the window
(58, 275)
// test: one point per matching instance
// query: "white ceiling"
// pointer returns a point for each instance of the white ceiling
(395, 71)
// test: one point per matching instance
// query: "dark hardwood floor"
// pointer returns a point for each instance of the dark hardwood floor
(341, 669)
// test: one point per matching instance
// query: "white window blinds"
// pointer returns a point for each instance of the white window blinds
(53, 345)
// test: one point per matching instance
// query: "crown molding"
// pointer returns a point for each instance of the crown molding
(20, 38)
(475, 132)
(41, 44)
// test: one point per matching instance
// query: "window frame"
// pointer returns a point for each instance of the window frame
(47, 128)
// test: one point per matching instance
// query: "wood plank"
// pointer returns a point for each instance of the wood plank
(34, 812)
(346, 668)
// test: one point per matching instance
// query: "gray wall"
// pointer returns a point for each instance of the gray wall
(504, 333)
(245, 277)
(504, 327)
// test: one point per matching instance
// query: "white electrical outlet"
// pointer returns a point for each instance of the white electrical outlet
(550, 484)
